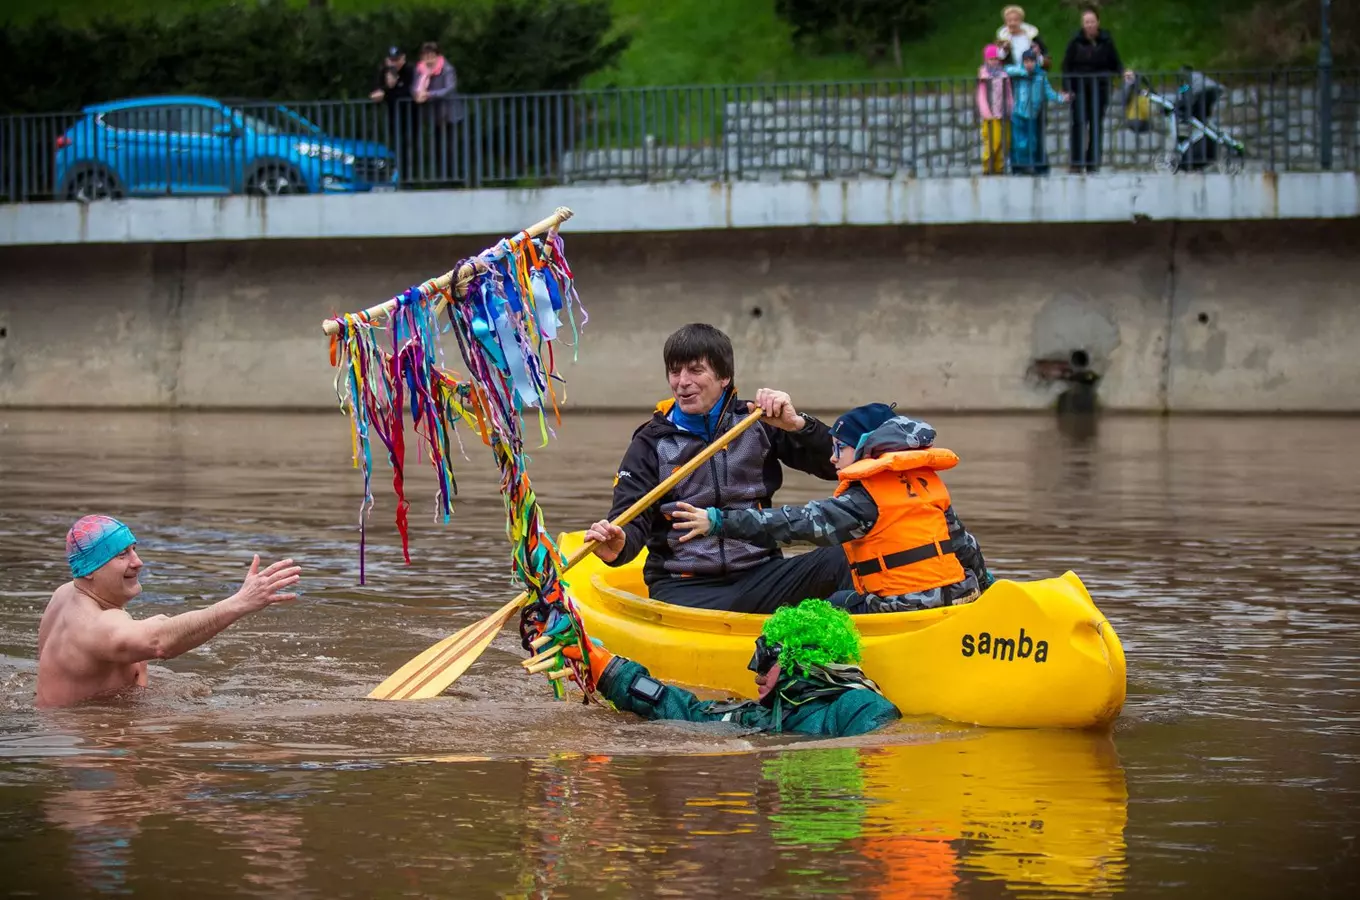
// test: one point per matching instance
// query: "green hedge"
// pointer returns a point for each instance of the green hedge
(872, 28)
(273, 51)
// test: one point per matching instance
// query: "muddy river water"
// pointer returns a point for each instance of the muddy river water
(1226, 553)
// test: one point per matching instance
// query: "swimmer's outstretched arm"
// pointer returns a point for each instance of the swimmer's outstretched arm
(118, 637)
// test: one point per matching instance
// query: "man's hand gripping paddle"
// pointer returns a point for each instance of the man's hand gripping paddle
(429, 674)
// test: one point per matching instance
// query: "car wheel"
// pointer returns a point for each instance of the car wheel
(89, 185)
(274, 180)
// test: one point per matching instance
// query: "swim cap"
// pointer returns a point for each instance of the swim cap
(93, 541)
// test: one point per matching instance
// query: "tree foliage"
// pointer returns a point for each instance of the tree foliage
(868, 27)
(1288, 33)
(277, 51)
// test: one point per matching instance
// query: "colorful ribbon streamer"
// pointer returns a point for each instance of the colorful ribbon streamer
(506, 326)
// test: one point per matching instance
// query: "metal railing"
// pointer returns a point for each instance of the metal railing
(918, 128)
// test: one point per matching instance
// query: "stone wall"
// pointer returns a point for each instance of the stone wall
(933, 131)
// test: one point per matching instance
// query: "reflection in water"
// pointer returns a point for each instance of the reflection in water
(1078, 429)
(821, 796)
(1032, 809)
(105, 804)
(101, 827)
(1035, 810)
(254, 766)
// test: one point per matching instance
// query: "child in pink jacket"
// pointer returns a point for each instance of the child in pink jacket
(995, 104)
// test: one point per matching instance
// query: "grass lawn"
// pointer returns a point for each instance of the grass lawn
(741, 41)
(683, 42)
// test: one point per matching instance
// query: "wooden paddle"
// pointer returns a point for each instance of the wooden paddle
(430, 673)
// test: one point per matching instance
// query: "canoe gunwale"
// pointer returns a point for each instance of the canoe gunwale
(710, 621)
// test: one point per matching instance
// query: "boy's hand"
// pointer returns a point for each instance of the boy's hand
(691, 520)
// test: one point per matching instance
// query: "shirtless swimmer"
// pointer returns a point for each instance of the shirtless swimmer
(88, 646)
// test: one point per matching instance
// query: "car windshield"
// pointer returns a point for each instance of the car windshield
(277, 120)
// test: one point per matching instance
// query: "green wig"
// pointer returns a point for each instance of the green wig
(813, 633)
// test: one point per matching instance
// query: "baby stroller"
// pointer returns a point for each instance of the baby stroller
(1194, 142)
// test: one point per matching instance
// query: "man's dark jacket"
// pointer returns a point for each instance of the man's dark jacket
(744, 475)
(406, 76)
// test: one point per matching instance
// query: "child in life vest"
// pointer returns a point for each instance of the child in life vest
(891, 513)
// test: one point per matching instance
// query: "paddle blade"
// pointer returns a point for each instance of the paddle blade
(430, 673)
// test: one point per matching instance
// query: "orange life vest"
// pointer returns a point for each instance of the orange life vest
(909, 548)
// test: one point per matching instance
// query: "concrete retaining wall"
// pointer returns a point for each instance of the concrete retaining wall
(694, 206)
(1249, 317)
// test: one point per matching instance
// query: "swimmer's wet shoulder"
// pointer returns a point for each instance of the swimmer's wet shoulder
(72, 663)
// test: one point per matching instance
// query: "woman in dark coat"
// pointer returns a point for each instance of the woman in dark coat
(1089, 64)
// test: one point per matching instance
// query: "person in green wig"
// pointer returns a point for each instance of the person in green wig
(804, 663)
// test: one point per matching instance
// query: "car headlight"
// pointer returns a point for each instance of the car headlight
(324, 153)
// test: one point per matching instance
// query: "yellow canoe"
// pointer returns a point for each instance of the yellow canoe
(1026, 654)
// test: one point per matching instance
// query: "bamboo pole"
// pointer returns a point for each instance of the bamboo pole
(464, 273)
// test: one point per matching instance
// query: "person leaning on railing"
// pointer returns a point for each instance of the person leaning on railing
(1090, 62)
(393, 84)
(1032, 94)
(395, 76)
(436, 89)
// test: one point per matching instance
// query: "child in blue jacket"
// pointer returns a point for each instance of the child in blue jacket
(1032, 91)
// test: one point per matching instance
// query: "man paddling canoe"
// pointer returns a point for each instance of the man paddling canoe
(718, 572)
(804, 665)
(88, 646)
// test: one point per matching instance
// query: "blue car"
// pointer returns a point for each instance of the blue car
(154, 146)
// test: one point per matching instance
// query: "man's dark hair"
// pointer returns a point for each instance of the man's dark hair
(699, 342)
(429, 47)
